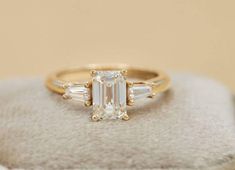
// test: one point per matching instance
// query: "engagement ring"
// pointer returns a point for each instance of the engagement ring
(108, 89)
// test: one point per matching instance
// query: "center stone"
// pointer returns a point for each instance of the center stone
(109, 94)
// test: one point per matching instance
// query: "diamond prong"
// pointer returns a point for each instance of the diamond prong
(66, 85)
(95, 117)
(88, 103)
(87, 85)
(125, 117)
(124, 72)
(130, 102)
(130, 84)
(93, 73)
(66, 97)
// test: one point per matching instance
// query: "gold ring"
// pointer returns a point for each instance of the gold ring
(109, 89)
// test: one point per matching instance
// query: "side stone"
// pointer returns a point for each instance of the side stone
(139, 91)
(78, 92)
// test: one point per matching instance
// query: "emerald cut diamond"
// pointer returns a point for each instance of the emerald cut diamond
(108, 94)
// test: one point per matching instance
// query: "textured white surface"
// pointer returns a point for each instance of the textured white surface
(191, 127)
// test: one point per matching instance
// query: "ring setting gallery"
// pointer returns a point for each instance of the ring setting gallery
(108, 89)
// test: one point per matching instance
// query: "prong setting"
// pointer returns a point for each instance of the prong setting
(95, 118)
(87, 85)
(66, 85)
(93, 73)
(125, 117)
(66, 97)
(124, 72)
(129, 84)
(130, 102)
(88, 103)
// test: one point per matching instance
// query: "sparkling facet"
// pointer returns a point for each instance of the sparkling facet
(139, 91)
(78, 92)
(109, 94)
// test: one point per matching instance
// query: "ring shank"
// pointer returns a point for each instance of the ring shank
(158, 79)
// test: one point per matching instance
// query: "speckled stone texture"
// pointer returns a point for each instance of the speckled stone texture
(192, 126)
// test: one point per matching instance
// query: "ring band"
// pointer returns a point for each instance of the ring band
(109, 89)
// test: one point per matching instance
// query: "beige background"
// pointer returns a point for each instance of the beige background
(37, 37)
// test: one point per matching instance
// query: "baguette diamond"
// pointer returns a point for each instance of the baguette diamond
(138, 91)
(78, 92)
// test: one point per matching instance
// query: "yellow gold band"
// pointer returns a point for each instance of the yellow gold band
(157, 79)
